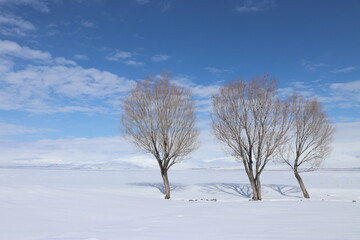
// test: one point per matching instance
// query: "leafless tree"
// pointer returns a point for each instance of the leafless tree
(310, 138)
(159, 118)
(252, 123)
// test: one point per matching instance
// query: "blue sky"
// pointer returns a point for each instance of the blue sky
(66, 65)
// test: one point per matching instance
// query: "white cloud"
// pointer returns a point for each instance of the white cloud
(64, 61)
(116, 152)
(346, 151)
(59, 86)
(217, 70)
(255, 6)
(160, 58)
(344, 70)
(332, 95)
(87, 24)
(200, 91)
(304, 89)
(45, 108)
(80, 57)
(133, 63)
(348, 93)
(142, 2)
(300, 85)
(12, 49)
(37, 86)
(5, 66)
(39, 5)
(125, 57)
(14, 26)
(353, 86)
(205, 91)
(119, 55)
(313, 66)
(166, 5)
(104, 152)
(13, 129)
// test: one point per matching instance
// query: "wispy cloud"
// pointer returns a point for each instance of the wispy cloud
(349, 87)
(202, 93)
(36, 88)
(39, 86)
(312, 66)
(68, 152)
(142, 2)
(39, 5)
(115, 152)
(119, 55)
(80, 57)
(217, 70)
(160, 58)
(346, 146)
(11, 25)
(166, 5)
(344, 95)
(87, 24)
(302, 88)
(13, 129)
(133, 63)
(12, 49)
(125, 57)
(344, 70)
(253, 6)
(101, 152)
(46, 84)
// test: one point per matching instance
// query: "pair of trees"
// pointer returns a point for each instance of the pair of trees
(257, 127)
(248, 118)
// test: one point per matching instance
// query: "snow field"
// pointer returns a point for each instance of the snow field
(128, 204)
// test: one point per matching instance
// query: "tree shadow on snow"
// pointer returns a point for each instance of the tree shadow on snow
(285, 190)
(159, 186)
(243, 190)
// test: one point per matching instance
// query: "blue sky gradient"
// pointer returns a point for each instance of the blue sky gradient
(66, 65)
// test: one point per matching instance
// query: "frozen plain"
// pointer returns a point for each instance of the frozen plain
(37, 204)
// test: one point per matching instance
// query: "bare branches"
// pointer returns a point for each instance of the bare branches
(159, 118)
(252, 122)
(309, 139)
(311, 135)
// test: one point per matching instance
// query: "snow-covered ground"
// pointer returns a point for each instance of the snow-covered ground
(128, 204)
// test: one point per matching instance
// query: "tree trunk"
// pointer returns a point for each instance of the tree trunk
(258, 187)
(255, 189)
(166, 183)
(302, 186)
(250, 174)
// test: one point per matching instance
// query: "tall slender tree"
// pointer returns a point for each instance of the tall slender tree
(310, 138)
(252, 123)
(159, 118)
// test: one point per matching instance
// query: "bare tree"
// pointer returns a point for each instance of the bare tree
(311, 135)
(159, 118)
(252, 123)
